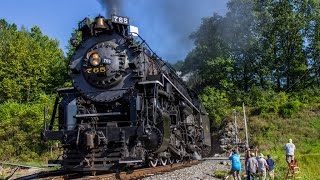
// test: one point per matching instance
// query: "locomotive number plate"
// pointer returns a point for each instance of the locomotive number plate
(97, 70)
(120, 20)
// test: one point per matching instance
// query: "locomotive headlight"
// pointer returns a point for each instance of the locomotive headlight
(95, 59)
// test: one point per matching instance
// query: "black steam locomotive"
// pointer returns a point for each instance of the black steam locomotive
(126, 106)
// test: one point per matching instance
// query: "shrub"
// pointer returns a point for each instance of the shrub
(216, 104)
(290, 108)
(21, 125)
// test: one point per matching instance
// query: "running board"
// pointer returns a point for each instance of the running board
(130, 161)
(100, 114)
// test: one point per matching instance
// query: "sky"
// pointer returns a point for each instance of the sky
(164, 24)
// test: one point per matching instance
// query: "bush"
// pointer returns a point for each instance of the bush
(20, 128)
(290, 108)
(268, 103)
(307, 96)
(217, 105)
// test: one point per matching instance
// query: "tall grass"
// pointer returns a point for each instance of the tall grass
(271, 134)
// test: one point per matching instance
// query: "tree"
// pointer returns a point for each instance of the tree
(243, 42)
(30, 63)
(273, 44)
(284, 42)
(209, 44)
(217, 104)
(313, 48)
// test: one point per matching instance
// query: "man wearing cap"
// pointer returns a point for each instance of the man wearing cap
(251, 166)
(289, 147)
(263, 166)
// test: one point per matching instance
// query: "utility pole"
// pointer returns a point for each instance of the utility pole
(235, 127)
(245, 125)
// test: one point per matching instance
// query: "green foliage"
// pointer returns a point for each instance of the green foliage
(269, 103)
(218, 72)
(20, 129)
(273, 118)
(290, 108)
(73, 42)
(209, 44)
(308, 96)
(268, 45)
(217, 105)
(270, 135)
(220, 174)
(30, 64)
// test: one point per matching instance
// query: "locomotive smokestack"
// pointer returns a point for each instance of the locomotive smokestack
(111, 6)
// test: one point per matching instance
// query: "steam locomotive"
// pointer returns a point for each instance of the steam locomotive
(126, 107)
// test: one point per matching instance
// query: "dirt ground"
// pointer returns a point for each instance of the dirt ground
(15, 172)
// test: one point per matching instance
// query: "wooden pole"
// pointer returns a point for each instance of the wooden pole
(245, 125)
(235, 127)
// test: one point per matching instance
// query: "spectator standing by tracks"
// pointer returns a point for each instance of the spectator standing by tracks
(247, 156)
(263, 167)
(270, 163)
(289, 147)
(251, 166)
(235, 164)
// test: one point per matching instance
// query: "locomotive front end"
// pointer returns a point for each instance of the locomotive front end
(126, 106)
(100, 63)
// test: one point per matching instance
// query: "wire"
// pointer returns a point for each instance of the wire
(286, 90)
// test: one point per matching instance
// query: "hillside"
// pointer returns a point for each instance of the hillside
(270, 133)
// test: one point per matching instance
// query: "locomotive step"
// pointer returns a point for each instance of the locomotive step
(100, 114)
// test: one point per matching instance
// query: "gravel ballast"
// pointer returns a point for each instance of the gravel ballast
(203, 171)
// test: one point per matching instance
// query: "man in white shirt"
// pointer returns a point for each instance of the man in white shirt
(289, 147)
(262, 167)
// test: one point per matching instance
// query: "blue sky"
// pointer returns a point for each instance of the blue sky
(164, 24)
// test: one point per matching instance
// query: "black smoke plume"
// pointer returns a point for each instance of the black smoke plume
(170, 21)
(112, 6)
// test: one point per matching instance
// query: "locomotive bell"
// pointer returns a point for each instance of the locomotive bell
(100, 23)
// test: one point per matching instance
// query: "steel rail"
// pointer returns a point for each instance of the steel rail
(127, 175)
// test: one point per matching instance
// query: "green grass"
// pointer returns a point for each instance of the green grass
(270, 135)
(220, 174)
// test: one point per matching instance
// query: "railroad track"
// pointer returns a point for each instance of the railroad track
(134, 174)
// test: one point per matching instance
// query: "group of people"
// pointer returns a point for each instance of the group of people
(258, 165)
